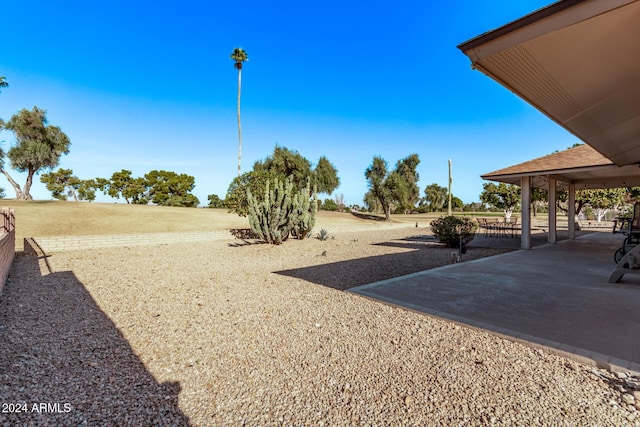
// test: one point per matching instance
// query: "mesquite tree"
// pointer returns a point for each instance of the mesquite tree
(502, 196)
(38, 146)
(398, 187)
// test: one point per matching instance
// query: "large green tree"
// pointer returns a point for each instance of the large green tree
(123, 184)
(63, 184)
(215, 201)
(325, 176)
(456, 203)
(539, 197)
(502, 196)
(239, 56)
(284, 163)
(237, 198)
(164, 188)
(168, 188)
(604, 200)
(38, 146)
(379, 191)
(398, 187)
(408, 192)
(600, 200)
(435, 197)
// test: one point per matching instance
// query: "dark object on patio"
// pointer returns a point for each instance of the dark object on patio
(630, 227)
(628, 256)
(497, 228)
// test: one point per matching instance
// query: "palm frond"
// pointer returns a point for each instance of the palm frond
(239, 55)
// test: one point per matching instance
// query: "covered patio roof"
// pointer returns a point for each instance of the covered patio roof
(577, 62)
(582, 166)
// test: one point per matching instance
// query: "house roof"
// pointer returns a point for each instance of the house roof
(577, 62)
(582, 166)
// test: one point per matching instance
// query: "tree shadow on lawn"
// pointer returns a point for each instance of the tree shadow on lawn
(58, 347)
(367, 216)
(422, 254)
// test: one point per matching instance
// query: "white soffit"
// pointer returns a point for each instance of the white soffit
(578, 62)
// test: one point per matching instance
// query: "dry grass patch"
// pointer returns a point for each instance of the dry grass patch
(43, 218)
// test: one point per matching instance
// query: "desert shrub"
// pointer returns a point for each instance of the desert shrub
(449, 229)
(323, 234)
(330, 205)
(282, 212)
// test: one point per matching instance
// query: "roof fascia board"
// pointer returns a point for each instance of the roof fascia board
(552, 18)
(490, 176)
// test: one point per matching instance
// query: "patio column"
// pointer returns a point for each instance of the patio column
(553, 230)
(525, 186)
(571, 211)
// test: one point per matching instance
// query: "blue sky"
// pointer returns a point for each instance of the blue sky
(144, 85)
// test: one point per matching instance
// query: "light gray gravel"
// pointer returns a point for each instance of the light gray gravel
(210, 334)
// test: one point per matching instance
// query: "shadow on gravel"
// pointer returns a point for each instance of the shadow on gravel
(422, 254)
(64, 362)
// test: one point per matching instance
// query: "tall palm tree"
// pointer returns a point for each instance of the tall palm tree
(3, 81)
(239, 56)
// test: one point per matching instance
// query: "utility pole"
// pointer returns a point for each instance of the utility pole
(450, 180)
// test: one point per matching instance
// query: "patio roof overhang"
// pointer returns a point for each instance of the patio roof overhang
(577, 62)
(582, 166)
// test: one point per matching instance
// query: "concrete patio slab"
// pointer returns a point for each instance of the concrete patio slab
(556, 296)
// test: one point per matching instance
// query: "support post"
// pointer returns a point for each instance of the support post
(525, 186)
(553, 229)
(571, 211)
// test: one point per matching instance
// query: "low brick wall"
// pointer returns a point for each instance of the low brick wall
(7, 253)
(72, 243)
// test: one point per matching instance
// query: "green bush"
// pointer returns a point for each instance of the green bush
(330, 205)
(449, 229)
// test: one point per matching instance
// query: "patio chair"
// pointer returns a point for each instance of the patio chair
(513, 226)
(492, 227)
(631, 229)
(627, 257)
(485, 225)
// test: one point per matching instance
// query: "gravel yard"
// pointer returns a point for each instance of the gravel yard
(227, 333)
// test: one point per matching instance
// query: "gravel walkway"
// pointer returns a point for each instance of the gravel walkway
(226, 333)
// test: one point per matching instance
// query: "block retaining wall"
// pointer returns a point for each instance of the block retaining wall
(72, 243)
(7, 253)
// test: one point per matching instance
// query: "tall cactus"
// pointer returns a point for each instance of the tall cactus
(304, 212)
(279, 213)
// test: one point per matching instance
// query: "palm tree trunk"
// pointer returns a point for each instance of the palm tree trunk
(239, 126)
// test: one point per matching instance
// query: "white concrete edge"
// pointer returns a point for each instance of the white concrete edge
(423, 272)
(578, 354)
